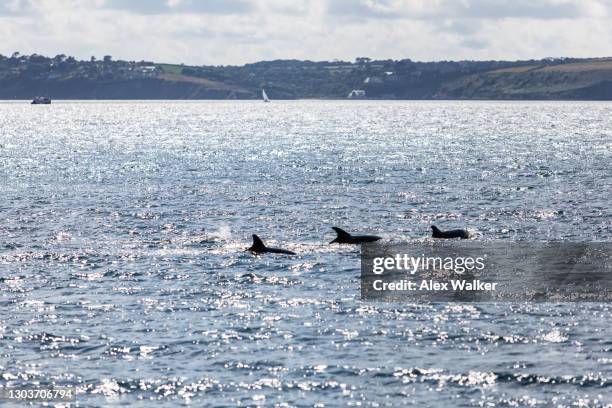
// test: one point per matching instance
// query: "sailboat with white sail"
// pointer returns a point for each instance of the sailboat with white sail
(264, 96)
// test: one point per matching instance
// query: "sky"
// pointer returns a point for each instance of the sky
(235, 32)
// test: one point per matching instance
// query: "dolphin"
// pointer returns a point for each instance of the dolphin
(259, 247)
(346, 238)
(456, 233)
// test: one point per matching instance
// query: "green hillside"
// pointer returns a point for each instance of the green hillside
(62, 77)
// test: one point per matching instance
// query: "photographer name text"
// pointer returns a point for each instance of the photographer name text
(435, 286)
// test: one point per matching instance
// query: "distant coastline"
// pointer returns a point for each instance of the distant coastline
(63, 77)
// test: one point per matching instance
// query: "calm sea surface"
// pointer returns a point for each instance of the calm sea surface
(123, 227)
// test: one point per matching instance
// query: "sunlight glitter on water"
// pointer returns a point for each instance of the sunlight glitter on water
(123, 270)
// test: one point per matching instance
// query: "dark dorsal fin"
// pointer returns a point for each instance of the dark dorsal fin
(342, 235)
(435, 229)
(258, 244)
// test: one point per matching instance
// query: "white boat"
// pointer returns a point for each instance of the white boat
(357, 94)
(264, 96)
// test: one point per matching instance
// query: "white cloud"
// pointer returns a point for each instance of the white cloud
(241, 31)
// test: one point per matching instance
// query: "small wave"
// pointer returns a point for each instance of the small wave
(554, 336)
(474, 378)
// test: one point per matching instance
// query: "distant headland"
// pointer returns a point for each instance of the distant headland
(64, 77)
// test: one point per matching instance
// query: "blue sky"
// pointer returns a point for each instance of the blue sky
(240, 31)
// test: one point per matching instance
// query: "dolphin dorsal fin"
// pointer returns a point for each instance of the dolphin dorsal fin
(341, 233)
(258, 244)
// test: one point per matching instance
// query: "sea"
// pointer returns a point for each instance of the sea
(123, 271)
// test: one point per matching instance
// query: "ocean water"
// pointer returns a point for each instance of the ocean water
(123, 271)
